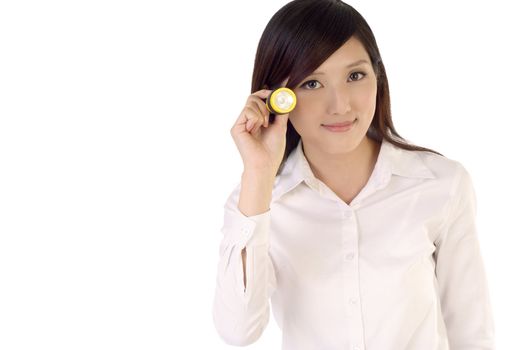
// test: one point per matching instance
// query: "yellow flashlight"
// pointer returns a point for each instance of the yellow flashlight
(281, 101)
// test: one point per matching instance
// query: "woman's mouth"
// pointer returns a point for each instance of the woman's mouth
(340, 127)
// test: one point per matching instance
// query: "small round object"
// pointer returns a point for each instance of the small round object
(281, 101)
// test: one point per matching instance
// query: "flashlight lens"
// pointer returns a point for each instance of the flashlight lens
(281, 101)
(284, 100)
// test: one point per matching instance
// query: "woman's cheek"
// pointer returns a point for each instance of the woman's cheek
(364, 94)
(311, 103)
(305, 105)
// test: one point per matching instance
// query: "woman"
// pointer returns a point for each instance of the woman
(358, 238)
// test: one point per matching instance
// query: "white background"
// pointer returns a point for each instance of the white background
(116, 157)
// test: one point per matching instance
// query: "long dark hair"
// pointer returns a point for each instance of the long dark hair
(299, 38)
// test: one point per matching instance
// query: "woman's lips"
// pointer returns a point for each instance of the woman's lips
(340, 127)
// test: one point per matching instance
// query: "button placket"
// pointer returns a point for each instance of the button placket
(351, 271)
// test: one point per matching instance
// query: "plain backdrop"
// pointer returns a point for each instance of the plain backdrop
(116, 157)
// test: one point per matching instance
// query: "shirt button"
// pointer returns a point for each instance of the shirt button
(349, 256)
(353, 301)
(347, 214)
(245, 230)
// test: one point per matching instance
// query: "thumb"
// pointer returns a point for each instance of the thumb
(281, 120)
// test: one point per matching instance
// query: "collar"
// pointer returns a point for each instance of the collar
(392, 160)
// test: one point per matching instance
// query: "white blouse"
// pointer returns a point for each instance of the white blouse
(400, 268)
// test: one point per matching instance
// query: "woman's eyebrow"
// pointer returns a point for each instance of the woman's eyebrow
(347, 66)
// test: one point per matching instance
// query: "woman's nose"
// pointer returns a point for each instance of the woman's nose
(339, 102)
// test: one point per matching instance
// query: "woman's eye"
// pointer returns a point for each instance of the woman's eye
(310, 85)
(362, 75)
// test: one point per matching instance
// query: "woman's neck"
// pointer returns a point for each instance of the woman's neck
(345, 172)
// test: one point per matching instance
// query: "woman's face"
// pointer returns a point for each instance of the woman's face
(336, 93)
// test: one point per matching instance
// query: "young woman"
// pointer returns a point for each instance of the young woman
(358, 238)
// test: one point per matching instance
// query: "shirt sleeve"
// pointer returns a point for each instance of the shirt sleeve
(463, 289)
(241, 314)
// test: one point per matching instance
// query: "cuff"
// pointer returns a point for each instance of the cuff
(247, 230)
